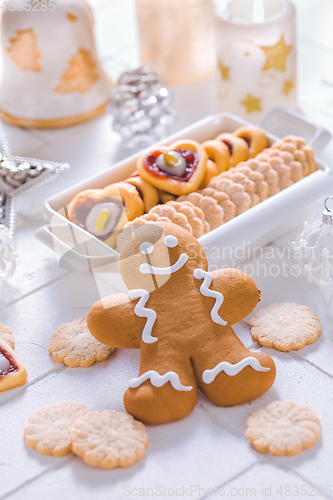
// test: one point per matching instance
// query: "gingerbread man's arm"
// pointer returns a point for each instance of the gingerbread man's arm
(112, 321)
(240, 294)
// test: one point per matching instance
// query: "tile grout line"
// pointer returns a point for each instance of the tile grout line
(25, 295)
(63, 463)
(269, 459)
(231, 479)
(20, 390)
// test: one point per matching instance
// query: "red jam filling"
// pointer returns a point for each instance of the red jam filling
(231, 149)
(13, 365)
(191, 158)
(247, 140)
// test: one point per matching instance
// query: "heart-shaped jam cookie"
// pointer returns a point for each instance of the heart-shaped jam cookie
(178, 169)
(12, 372)
(104, 212)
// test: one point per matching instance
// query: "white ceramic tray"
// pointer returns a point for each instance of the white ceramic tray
(224, 246)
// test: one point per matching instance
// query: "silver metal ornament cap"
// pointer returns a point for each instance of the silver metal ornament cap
(328, 214)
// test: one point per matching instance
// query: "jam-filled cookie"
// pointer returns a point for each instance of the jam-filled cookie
(238, 148)
(104, 212)
(178, 169)
(147, 192)
(255, 138)
(12, 372)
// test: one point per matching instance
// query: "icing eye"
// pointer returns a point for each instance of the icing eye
(146, 248)
(170, 241)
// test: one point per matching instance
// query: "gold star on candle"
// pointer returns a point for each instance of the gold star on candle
(276, 56)
(224, 72)
(288, 86)
(251, 103)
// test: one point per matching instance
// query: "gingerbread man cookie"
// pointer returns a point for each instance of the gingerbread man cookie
(180, 316)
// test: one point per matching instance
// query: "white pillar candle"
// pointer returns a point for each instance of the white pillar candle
(257, 60)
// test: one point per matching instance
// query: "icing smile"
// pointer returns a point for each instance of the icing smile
(162, 271)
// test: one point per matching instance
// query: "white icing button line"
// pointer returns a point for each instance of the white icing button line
(170, 241)
(143, 312)
(162, 271)
(158, 380)
(209, 376)
(146, 248)
(200, 274)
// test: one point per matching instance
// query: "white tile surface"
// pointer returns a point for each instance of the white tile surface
(300, 382)
(200, 442)
(209, 448)
(264, 480)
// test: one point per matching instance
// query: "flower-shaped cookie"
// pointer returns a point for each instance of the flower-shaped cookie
(104, 212)
(49, 429)
(283, 428)
(285, 326)
(109, 439)
(73, 345)
(178, 169)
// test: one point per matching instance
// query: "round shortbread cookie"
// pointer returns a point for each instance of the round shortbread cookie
(73, 345)
(49, 429)
(283, 428)
(6, 335)
(109, 439)
(285, 326)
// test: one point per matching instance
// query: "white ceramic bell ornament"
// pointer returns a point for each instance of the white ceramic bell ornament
(51, 74)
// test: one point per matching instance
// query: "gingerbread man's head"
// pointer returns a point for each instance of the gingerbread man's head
(156, 253)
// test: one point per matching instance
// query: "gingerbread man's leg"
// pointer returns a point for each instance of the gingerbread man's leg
(227, 373)
(166, 389)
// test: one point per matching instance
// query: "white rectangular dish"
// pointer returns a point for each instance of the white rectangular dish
(225, 245)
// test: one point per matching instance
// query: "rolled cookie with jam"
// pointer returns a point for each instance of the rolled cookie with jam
(238, 148)
(255, 137)
(104, 212)
(178, 169)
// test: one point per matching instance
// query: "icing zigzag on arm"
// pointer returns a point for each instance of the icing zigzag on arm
(209, 376)
(158, 380)
(200, 274)
(143, 312)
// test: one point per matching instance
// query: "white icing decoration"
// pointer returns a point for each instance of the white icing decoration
(178, 169)
(92, 217)
(158, 380)
(209, 376)
(142, 312)
(162, 271)
(4, 363)
(200, 274)
(146, 248)
(170, 241)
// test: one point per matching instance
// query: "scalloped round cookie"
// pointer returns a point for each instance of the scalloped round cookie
(73, 345)
(283, 428)
(109, 439)
(49, 429)
(285, 326)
